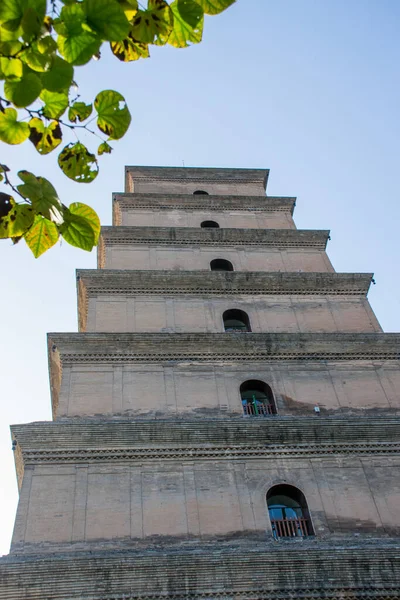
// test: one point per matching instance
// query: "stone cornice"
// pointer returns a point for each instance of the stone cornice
(201, 570)
(197, 236)
(129, 201)
(75, 348)
(110, 281)
(142, 440)
(195, 174)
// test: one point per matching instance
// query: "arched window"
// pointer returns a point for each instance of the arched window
(257, 399)
(209, 224)
(288, 512)
(220, 264)
(236, 321)
(200, 193)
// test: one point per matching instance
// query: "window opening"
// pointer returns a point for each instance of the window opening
(220, 264)
(209, 224)
(236, 321)
(257, 399)
(288, 512)
(200, 193)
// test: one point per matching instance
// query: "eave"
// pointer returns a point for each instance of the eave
(192, 236)
(210, 347)
(240, 569)
(236, 438)
(112, 281)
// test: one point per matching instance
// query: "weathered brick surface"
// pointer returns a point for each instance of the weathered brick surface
(246, 570)
(127, 209)
(167, 374)
(151, 483)
(190, 301)
(177, 180)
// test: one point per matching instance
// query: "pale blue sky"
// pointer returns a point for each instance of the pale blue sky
(307, 88)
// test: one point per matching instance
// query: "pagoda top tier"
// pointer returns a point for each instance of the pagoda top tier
(196, 180)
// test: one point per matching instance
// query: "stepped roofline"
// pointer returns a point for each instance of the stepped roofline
(195, 174)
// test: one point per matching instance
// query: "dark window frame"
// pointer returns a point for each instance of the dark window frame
(236, 320)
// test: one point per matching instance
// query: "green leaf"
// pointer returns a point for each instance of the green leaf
(15, 218)
(10, 10)
(86, 212)
(129, 49)
(59, 77)
(11, 130)
(36, 60)
(55, 103)
(79, 111)
(182, 32)
(214, 7)
(81, 227)
(46, 45)
(113, 114)
(31, 23)
(190, 12)
(77, 163)
(76, 44)
(45, 138)
(42, 195)
(23, 92)
(107, 18)
(153, 25)
(9, 48)
(104, 148)
(10, 68)
(14, 13)
(41, 236)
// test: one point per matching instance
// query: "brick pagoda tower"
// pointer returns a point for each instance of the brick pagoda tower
(226, 421)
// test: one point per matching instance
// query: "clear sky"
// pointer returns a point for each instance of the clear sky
(307, 88)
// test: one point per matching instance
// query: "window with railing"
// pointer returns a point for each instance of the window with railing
(236, 321)
(257, 399)
(288, 513)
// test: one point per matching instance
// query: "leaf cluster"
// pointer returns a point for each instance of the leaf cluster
(41, 218)
(41, 46)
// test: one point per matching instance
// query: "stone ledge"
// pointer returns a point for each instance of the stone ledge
(108, 433)
(211, 347)
(74, 441)
(110, 281)
(192, 236)
(248, 571)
